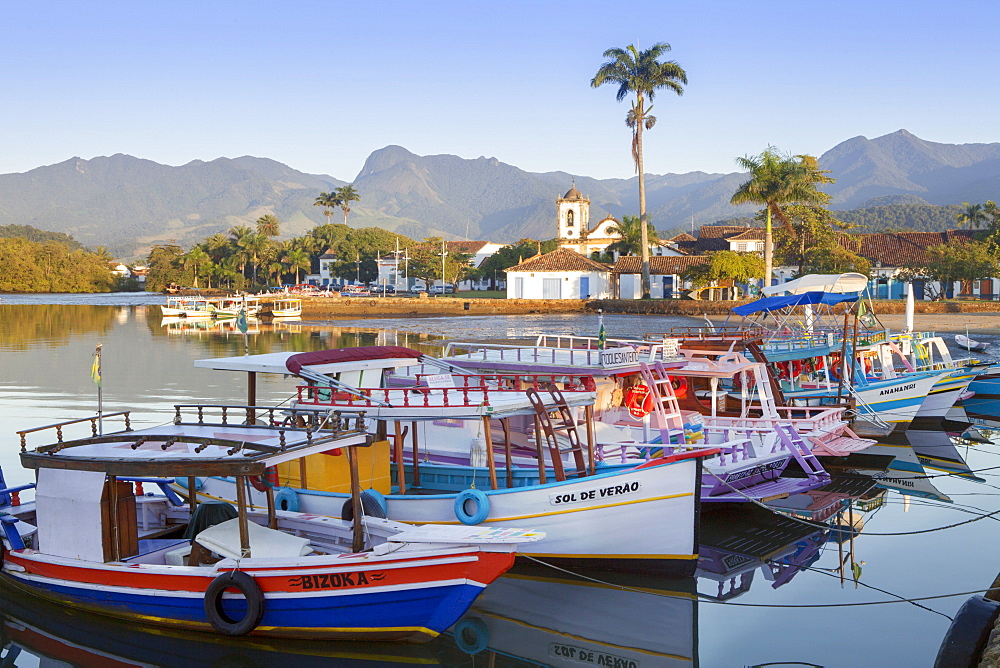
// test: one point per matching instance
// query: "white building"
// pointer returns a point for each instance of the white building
(561, 274)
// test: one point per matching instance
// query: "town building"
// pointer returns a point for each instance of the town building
(561, 274)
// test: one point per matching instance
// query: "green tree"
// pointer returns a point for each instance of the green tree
(640, 73)
(494, 266)
(777, 180)
(269, 226)
(165, 264)
(813, 242)
(953, 262)
(345, 195)
(726, 265)
(973, 214)
(631, 231)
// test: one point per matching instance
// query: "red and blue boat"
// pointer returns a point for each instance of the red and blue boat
(93, 538)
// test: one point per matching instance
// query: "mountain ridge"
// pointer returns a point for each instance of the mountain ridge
(128, 203)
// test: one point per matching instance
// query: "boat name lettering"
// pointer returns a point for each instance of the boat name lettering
(619, 356)
(761, 468)
(562, 498)
(333, 580)
(901, 388)
(584, 655)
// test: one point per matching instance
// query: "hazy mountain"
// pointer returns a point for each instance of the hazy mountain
(128, 203)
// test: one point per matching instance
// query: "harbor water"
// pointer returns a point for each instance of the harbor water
(769, 590)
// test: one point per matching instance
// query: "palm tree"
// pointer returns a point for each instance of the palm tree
(255, 246)
(974, 215)
(194, 259)
(329, 202)
(269, 226)
(775, 180)
(630, 230)
(296, 260)
(346, 195)
(642, 73)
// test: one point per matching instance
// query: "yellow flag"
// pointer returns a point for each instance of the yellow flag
(95, 369)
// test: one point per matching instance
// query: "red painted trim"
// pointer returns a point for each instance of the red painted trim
(670, 459)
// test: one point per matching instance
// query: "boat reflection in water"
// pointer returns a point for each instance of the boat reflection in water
(58, 636)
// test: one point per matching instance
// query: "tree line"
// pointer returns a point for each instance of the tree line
(53, 266)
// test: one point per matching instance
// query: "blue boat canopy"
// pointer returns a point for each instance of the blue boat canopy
(806, 298)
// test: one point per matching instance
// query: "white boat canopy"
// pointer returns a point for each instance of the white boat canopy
(839, 283)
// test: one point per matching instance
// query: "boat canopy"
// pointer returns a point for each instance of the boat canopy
(295, 363)
(839, 283)
(777, 303)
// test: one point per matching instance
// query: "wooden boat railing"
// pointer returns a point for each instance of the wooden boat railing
(94, 421)
(572, 350)
(475, 391)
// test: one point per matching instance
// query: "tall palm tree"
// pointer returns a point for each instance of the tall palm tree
(973, 214)
(346, 195)
(329, 202)
(641, 73)
(775, 180)
(269, 226)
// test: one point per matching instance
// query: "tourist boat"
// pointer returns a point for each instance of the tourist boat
(969, 344)
(286, 308)
(189, 307)
(753, 449)
(230, 307)
(90, 540)
(641, 517)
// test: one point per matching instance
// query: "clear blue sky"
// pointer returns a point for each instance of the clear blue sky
(319, 85)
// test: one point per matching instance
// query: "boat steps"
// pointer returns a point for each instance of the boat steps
(768, 491)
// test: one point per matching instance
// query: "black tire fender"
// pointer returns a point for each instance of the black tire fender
(218, 618)
(966, 638)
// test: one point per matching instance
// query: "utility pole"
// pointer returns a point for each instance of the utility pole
(443, 254)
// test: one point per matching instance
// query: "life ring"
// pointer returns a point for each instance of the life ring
(373, 302)
(269, 480)
(372, 505)
(471, 635)
(287, 499)
(680, 385)
(480, 506)
(218, 618)
(638, 400)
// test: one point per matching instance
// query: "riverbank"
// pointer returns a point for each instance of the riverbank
(932, 316)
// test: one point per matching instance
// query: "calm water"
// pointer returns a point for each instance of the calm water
(778, 598)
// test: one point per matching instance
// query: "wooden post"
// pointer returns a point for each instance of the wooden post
(490, 461)
(241, 510)
(507, 458)
(397, 454)
(539, 451)
(116, 551)
(416, 455)
(358, 543)
(192, 494)
(303, 468)
(272, 514)
(252, 392)
(588, 415)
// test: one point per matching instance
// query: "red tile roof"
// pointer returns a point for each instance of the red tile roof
(901, 249)
(748, 234)
(561, 259)
(659, 265)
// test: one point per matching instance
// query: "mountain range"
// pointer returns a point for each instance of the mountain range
(127, 204)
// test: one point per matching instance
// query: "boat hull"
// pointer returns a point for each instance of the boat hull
(412, 599)
(640, 518)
